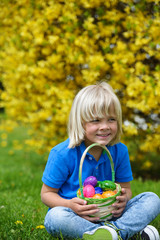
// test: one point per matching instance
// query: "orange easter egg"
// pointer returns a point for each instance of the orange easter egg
(107, 194)
(97, 196)
(79, 192)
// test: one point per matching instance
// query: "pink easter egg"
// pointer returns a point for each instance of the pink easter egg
(88, 191)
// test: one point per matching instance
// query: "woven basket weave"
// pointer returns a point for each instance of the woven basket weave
(105, 204)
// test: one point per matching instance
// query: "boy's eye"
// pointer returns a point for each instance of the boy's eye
(95, 120)
(112, 119)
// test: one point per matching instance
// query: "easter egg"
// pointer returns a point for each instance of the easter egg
(79, 192)
(115, 191)
(97, 196)
(98, 190)
(88, 191)
(91, 180)
(107, 194)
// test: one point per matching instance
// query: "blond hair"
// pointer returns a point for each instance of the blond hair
(91, 102)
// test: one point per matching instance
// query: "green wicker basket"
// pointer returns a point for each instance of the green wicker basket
(105, 204)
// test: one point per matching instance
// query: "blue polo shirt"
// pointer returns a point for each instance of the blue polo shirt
(62, 168)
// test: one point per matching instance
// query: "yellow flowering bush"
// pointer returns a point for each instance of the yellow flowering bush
(50, 49)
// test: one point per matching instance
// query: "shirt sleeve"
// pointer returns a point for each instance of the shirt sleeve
(123, 171)
(56, 170)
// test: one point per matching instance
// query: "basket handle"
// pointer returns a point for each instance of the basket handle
(82, 160)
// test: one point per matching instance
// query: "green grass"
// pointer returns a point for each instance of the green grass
(20, 186)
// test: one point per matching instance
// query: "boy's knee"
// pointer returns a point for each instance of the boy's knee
(153, 201)
(53, 219)
(55, 214)
(153, 196)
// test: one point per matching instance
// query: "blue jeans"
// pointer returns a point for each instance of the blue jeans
(139, 212)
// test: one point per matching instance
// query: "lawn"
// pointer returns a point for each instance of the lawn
(21, 210)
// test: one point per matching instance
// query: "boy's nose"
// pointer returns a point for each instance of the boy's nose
(105, 125)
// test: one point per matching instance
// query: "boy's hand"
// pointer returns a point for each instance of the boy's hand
(80, 207)
(121, 204)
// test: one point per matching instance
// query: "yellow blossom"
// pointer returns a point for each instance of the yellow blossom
(4, 136)
(11, 152)
(40, 227)
(3, 143)
(130, 129)
(18, 222)
(147, 165)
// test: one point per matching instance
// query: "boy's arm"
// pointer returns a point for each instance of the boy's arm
(51, 198)
(127, 187)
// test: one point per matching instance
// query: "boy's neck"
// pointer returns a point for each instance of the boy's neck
(96, 152)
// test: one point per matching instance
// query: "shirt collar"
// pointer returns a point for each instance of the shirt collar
(103, 157)
(83, 148)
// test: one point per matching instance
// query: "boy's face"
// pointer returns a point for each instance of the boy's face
(101, 130)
